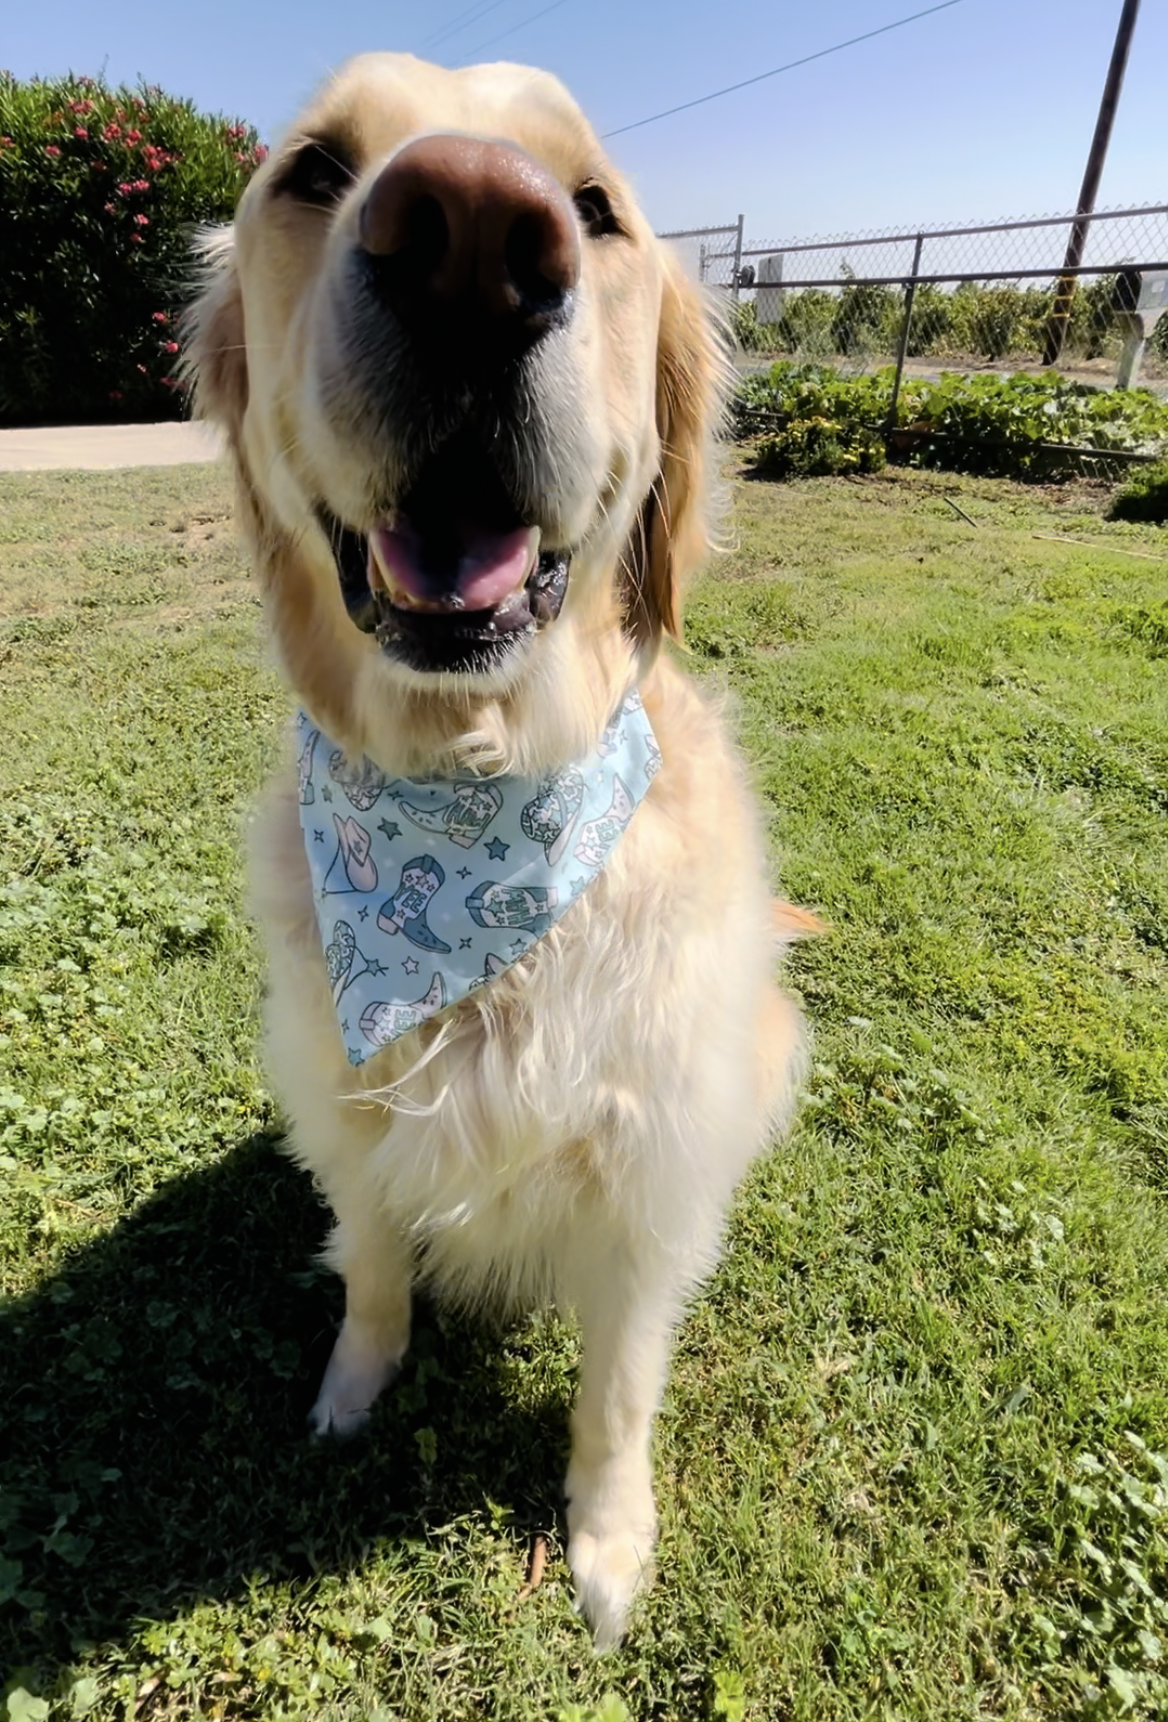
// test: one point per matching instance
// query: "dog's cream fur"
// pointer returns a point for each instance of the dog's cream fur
(575, 1130)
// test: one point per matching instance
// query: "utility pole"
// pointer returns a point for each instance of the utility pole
(1056, 329)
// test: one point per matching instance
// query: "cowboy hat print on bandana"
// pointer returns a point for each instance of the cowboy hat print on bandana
(427, 890)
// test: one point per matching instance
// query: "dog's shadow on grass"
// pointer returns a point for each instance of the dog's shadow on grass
(153, 1398)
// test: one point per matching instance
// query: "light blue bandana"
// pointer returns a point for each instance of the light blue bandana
(425, 890)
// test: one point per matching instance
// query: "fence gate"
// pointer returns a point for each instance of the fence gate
(711, 255)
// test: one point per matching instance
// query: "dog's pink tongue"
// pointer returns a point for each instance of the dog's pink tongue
(491, 565)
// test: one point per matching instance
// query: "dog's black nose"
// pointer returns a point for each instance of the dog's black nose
(464, 233)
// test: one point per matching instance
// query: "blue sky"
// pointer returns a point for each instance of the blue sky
(980, 111)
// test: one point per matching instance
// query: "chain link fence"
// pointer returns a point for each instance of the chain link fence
(994, 296)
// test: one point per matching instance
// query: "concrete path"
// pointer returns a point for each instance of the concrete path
(100, 447)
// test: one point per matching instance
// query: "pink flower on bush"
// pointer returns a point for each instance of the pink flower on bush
(125, 188)
(142, 368)
(140, 185)
(6, 143)
(110, 208)
(160, 317)
(141, 221)
(134, 137)
(135, 239)
(112, 131)
(80, 132)
(170, 346)
(261, 153)
(51, 149)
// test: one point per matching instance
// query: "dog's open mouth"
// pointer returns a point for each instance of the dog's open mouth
(455, 577)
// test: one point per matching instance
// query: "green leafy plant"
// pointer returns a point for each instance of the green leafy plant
(1144, 496)
(750, 336)
(867, 317)
(100, 191)
(818, 448)
(610, 1709)
(1104, 1530)
(1021, 426)
(729, 1694)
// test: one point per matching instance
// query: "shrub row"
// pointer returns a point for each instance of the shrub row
(100, 192)
(985, 322)
(809, 420)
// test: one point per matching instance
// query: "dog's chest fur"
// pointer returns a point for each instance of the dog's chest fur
(495, 1130)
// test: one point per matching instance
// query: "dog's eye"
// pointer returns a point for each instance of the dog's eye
(594, 208)
(318, 173)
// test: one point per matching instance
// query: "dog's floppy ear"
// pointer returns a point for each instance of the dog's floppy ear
(672, 535)
(212, 334)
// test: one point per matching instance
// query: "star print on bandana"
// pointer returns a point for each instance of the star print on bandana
(451, 865)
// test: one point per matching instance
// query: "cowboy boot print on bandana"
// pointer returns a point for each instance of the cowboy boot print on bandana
(382, 1021)
(463, 819)
(495, 966)
(405, 911)
(352, 862)
(362, 783)
(304, 768)
(549, 818)
(598, 835)
(524, 906)
(608, 741)
(345, 962)
(413, 872)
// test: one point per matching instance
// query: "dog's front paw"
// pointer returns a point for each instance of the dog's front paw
(357, 1372)
(610, 1572)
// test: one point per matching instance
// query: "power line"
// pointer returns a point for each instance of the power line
(461, 21)
(789, 67)
(554, 7)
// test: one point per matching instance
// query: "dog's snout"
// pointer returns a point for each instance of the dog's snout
(473, 227)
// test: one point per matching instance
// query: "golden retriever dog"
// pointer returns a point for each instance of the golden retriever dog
(469, 399)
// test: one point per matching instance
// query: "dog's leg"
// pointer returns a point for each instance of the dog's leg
(627, 1310)
(373, 1258)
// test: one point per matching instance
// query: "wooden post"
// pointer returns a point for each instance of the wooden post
(1064, 293)
(905, 328)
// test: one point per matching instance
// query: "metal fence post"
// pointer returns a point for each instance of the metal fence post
(737, 261)
(905, 327)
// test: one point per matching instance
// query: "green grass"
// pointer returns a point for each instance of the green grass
(908, 1464)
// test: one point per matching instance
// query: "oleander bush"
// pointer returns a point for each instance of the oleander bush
(100, 191)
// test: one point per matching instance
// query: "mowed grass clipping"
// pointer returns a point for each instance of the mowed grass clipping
(910, 1462)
